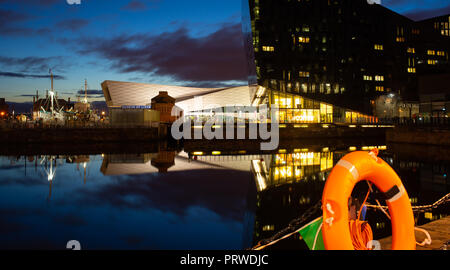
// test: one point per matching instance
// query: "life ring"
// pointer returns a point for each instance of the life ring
(351, 169)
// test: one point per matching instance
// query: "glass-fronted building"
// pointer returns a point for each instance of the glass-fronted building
(341, 52)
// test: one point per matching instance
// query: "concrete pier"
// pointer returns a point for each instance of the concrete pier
(81, 135)
(439, 231)
(440, 137)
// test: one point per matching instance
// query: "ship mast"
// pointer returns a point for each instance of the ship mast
(51, 92)
(85, 91)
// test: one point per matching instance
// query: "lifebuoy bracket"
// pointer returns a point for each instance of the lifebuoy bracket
(388, 195)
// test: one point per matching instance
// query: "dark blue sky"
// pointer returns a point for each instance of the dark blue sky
(177, 42)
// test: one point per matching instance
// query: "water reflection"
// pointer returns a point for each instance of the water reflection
(200, 199)
(146, 201)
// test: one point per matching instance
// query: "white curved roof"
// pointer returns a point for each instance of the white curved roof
(118, 94)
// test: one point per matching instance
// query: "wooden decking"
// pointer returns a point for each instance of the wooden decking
(439, 231)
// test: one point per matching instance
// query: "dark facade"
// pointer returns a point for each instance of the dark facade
(4, 108)
(344, 52)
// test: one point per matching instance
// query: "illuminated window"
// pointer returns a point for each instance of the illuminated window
(431, 52)
(378, 47)
(268, 48)
(400, 39)
(303, 39)
(411, 70)
(367, 78)
(268, 228)
(431, 62)
(441, 53)
(380, 88)
(411, 50)
(379, 78)
(304, 74)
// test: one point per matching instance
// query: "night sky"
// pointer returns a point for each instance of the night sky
(175, 42)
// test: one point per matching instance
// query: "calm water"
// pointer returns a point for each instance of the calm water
(176, 200)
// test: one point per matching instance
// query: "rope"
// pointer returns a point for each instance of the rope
(317, 235)
(428, 239)
(422, 208)
(361, 233)
(259, 247)
(290, 229)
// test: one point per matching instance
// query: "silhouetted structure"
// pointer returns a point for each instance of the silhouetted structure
(4, 108)
(163, 103)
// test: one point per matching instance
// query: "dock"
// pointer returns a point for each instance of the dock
(439, 231)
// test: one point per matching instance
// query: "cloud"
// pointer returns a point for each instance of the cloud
(34, 64)
(222, 192)
(10, 24)
(26, 96)
(8, 19)
(215, 84)
(219, 56)
(419, 9)
(91, 93)
(30, 76)
(136, 5)
(428, 13)
(72, 24)
(33, 2)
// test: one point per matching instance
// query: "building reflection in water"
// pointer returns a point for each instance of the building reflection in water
(284, 184)
(291, 183)
(288, 185)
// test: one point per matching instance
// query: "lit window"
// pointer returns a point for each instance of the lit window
(441, 53)
(380, 88)
(367, 78)
(378, 47)
(431, 52)
(303, 39)
(411, 50)
(400, 39)
(431, 62)
(411, 70)
(379, 78)
(304, 74)
(268, 48)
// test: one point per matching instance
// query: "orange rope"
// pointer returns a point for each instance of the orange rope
(365, 200)
(361, 233)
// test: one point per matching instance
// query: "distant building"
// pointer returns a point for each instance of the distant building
(4, 108)
(82, 107)
(163, 103)
(119, 95)
(434, 92)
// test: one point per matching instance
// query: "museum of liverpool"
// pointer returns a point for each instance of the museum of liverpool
(293, 109)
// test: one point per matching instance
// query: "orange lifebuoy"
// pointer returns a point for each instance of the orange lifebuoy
(351, 169)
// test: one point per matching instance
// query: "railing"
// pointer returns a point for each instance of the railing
(419, 122)
(423, 122)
